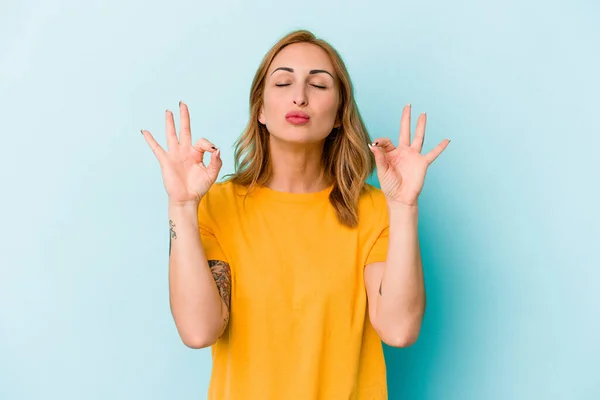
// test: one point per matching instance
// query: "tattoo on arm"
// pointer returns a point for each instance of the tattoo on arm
(222, 274)
(172, 234)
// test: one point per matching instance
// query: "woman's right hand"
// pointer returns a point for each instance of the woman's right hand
(184, 174)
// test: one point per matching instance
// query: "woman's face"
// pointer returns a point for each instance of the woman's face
(301, 97)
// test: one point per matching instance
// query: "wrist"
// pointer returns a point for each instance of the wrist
(401, 210)
(184, 204)
(402, 207)
(183, 209)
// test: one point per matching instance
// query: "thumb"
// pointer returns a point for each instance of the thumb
(380, 158)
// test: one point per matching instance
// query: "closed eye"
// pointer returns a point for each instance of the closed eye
(288, 84)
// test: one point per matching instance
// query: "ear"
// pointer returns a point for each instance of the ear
(261, 116)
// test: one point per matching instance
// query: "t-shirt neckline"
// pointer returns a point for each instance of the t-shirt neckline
(293, 196)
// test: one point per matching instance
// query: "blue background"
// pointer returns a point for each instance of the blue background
(509, 214)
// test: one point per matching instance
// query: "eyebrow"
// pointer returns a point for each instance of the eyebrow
(312, 71)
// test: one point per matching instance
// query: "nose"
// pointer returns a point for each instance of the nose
(300, 98)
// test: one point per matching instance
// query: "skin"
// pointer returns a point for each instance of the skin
(300, 78)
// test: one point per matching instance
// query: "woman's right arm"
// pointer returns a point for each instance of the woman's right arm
(199, 289)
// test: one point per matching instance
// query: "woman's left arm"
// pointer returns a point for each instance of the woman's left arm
(396, 288)
(396, 308)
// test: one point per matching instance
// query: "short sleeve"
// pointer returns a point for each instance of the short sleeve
(378, 227)
(379, 250)
(207, 229)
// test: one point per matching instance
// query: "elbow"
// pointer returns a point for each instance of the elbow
(197, 334)
(403, 331)
(198, 341)
(199, 337)
(400, 339)
(197, 344)
(401, 334)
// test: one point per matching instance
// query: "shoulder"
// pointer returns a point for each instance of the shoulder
(221, 193)
(372, 198)
(220, 199)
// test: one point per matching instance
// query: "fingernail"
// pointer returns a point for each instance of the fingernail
(218, 152)
(213, 147)
(141, 130)
(376, 144)
(179, 103)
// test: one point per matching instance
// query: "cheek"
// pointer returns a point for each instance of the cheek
(330, 109)
(272, 105)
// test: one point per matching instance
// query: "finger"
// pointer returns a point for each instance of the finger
(437, 150)
(385, 143)
(380, 159)
(202, 145)
(185, 133)
(215, 164)
(158, 151)
(171, 133)
(404, 139)
(417, 142)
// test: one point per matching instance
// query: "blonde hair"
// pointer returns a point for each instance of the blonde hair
(347, 159)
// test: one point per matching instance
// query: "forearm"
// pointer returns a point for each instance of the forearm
(401, 302)
(196, 305)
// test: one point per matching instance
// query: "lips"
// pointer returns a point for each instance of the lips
(297, 117)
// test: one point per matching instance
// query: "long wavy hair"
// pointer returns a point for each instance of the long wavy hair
(347, 160)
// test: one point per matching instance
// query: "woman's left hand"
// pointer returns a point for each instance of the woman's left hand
(401, 170)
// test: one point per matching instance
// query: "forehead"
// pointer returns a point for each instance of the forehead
(302, 56)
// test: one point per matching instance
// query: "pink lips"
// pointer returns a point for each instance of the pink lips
(297, 117)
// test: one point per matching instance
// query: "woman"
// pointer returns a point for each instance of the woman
(294, 269)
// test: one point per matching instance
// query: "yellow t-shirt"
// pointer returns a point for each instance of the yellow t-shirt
(299, 325)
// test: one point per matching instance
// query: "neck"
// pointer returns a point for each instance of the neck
(297, 168)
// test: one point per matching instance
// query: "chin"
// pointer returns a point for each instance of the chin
(297, 135)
